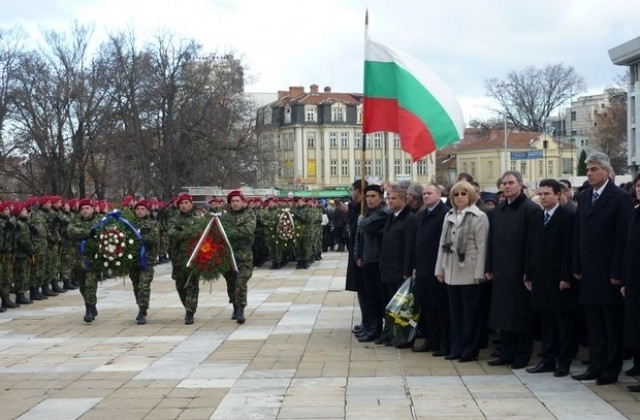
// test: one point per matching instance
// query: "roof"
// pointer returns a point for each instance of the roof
(495, 140)
(319, 98)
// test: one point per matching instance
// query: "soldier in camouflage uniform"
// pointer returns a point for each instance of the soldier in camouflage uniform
(260, 251)
(240, 225)
(188, 287)
(41, 239)
(7, 244)
(303, 218)
(270, 221)
(141, 279)
(80, 231)
(24, 253)
(54, 225)
(67, 248)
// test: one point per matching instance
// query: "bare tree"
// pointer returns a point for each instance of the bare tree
(610, 134)
(528, 97)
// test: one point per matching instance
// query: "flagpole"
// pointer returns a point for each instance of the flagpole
(363, 167)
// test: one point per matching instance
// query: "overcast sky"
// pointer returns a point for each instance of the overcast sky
(301, 42)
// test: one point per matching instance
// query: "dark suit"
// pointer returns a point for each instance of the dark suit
(430, 294)
(600, 237)
(550, 262)
(396, 254)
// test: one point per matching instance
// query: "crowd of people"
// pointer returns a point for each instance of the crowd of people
(547, 265)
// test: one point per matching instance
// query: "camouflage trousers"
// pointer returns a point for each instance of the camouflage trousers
(7, 275)
(303, 248)
(38, 271)
(87, 280)
(66, 262)
(275, 254)
(188, 288)
(163, 243)
(22, 274)
(237, 283)
(141, 282)
(52, 267)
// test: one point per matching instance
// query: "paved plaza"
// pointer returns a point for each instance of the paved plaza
(295, 358)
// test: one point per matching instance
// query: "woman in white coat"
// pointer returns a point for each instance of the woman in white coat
(460, 265)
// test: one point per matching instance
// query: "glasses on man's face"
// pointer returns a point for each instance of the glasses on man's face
(460, 194)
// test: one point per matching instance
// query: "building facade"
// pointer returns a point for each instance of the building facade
(317, 136)
(628, 54)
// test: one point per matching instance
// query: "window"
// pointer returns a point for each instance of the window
(513, 166)
(490, 169)
(310, 113)
(540, 170)
(367, 166)
(267, 116)
(311, 140)
(422, 167)
(367, 142)
(396, 141)
(344, 139)
(407, 166)
(566, 166)
(333, 140)
(356, 140)
(333, 167)
(357, 168)
(549, 168)
(523, 168)
(345, 167)
(287, 115)
(378, 168)
(396, 166)
(377, 140)
(337, 112)
(473, 169)
(573, 115)
(359, 114)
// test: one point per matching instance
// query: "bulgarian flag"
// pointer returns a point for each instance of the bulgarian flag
(403, 96)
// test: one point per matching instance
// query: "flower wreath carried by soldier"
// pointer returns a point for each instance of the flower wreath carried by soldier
(209, 252)
(116, 246)
(284, 232)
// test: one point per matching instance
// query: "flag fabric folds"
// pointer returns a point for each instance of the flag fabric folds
(404, 96)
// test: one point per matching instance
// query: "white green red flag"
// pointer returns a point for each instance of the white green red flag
(404, 96)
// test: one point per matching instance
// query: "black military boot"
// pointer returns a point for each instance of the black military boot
(8, 303)
(88, 314)
(240, 315)
(56, 287)
(35, 294)
(188, 318)
(141, 319)
(275, 265)
(67, 285)
(94, 311)
(234, 315)
(46, 290)
(21, 299)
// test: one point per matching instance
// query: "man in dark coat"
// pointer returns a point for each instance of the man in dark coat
(600, 238)
(354, 273)
(430, 294)
(511, 311)
(550, 279)
(398, 242)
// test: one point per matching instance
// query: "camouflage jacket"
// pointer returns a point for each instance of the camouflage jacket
(178, 230)
(38, 221)
(240, 227)
(24, 246)
(150, 232)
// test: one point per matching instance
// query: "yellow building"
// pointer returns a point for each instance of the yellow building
(535, 155)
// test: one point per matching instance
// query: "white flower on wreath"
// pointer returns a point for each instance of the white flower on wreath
(130, 256)
(117, 263)
(131, 241)
(120, 255)
(121, 235)
(110, 258)
(106, 264)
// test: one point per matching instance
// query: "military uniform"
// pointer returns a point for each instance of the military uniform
(188, 287)
(141, 279)
(303, 217)
(240, 228)
(81, 229)
(24, 250)
(7, 248)
(68, 252)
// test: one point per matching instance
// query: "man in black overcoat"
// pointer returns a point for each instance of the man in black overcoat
(511, 312)
(398, 242)
(354, 273)
(430, 294)
(600, 237)
(549, 277)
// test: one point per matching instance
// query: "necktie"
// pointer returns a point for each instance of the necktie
(547, 216)
(594, 197)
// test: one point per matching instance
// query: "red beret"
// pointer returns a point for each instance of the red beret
(30, 201)
(16, 208)
(103, 204)
(127, 200)
(85, 202)
(184, 197)
(234, 193)
(4, 205)
(213, 200)
(55, 198)
(72, 202)
(143, 203)
(44, 200)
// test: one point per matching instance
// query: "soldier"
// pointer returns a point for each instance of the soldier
(41, 238)
(270, 218)
(24, 252)
(81, 230)
(67, 249)
(141, 278)
(188, 287)
(240, 224)
(7, 244)
(303, 216)
(51, 215)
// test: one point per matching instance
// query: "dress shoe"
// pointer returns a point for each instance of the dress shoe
(357, 328)
(421, 349)
(518, 365)
(464, 359)
(371, 335)
(451, 357)
(633, 388)
(541, 367)
(497, 362)
(606, 380)
(439, 353)
(561, 372)
(188, 318)
(585, 376)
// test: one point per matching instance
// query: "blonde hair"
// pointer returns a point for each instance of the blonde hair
(463, 186)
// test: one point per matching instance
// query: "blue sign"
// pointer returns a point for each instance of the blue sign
(534, 154)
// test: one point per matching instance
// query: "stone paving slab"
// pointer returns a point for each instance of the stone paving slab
(295, 358)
